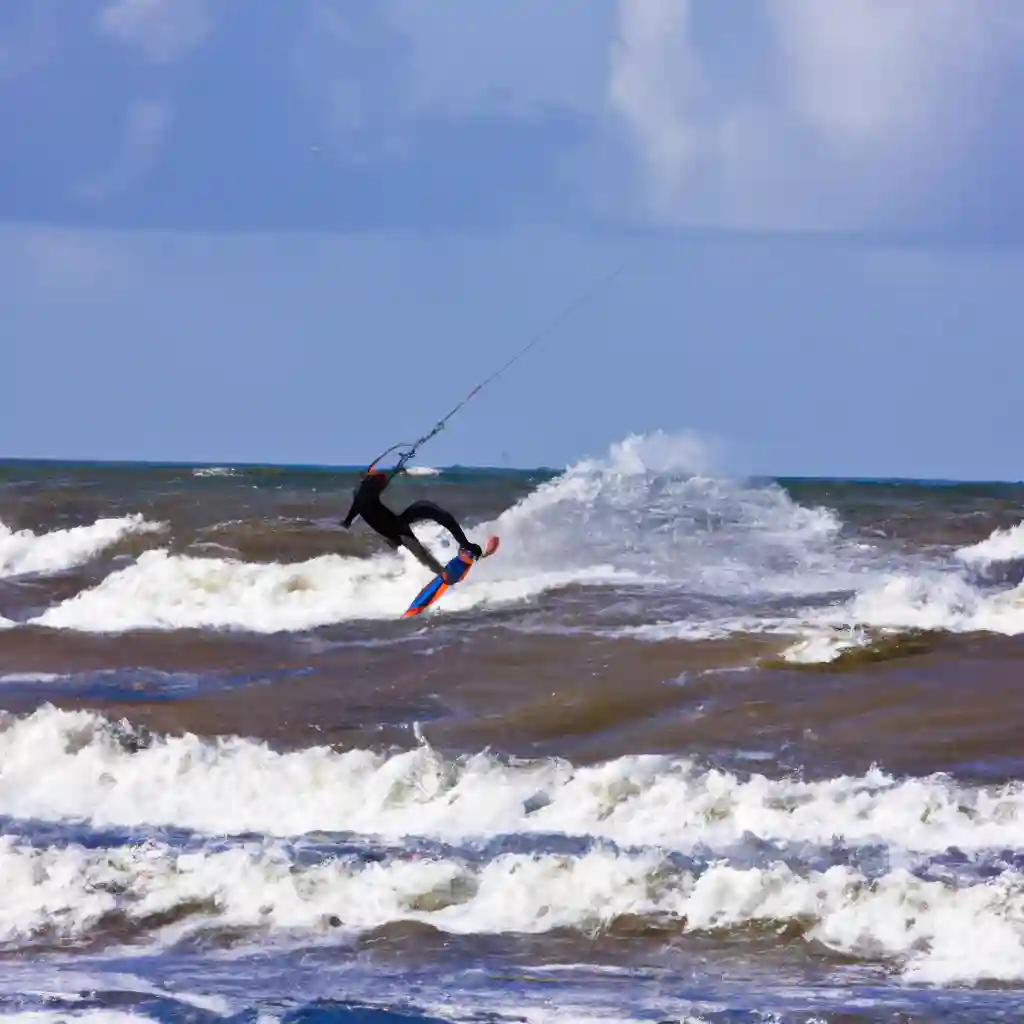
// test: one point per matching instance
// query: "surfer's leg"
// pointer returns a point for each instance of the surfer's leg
(411, 543)
(397, 534)
(427, 511)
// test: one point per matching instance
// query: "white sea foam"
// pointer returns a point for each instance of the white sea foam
(577, 1000)
(23, 552)
(927, 601)
(639, 516)
(945, 602)
(927, 597)
(1002, 546)
(92, 1015)
(939, 932)
(821, 648)
(709, 629)
(648, 510)
(63, 981)
(70, 765)
(165, 591)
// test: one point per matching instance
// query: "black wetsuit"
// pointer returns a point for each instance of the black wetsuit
(396, 528)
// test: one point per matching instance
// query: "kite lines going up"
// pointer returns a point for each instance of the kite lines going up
(410, 453)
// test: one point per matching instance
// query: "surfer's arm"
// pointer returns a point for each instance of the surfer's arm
(367, 495)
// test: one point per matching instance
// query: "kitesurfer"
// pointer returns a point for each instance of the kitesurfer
(395, 528)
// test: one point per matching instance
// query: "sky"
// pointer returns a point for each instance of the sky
(301, 232)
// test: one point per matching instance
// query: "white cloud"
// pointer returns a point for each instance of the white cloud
(861, 113)
(163, 29)
(864, 72)
(656, 85)
(145, 128)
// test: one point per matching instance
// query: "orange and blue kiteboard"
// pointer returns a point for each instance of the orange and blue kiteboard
(454, 572)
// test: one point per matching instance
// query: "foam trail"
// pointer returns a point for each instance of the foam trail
(25, 552)
(73, 765)
(941, 933)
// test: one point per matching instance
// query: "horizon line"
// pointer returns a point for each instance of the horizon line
(326, 467)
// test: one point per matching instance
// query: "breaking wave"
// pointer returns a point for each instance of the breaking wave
(948, 598)
(60, 764)
(23, 552)
(642, 817)
(640, 516)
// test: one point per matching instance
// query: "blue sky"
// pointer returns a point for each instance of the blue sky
(299, 232)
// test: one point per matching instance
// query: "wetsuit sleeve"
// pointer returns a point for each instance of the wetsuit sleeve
(367, 493)
(366, 497)
(353, 511)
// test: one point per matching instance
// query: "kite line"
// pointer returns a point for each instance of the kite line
(411, 449)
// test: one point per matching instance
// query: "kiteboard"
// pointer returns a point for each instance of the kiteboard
(454, 572)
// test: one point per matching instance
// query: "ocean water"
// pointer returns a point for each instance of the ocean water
(687, 748)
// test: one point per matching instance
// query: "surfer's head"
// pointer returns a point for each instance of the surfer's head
(375, 479)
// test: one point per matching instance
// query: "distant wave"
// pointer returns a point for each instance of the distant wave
(24, 552)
